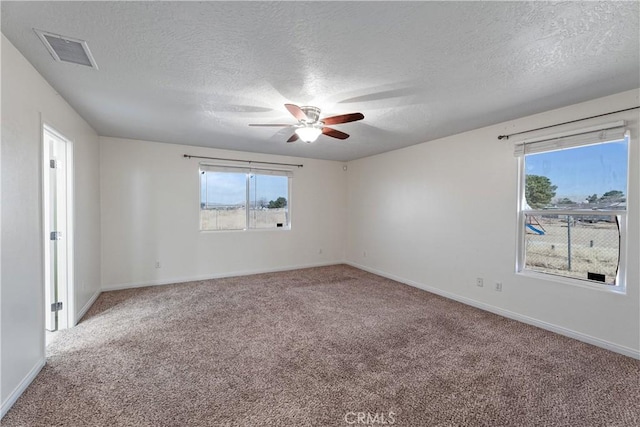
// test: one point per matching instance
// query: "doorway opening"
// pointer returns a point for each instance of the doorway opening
(58, 230)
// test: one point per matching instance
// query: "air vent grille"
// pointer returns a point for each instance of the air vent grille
(67, 49)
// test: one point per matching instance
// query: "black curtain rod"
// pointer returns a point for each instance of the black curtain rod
(188, 156)
(566, 123)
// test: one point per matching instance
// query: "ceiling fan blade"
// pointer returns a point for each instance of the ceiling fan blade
(296, 111)
(293, 138)
(334, 133)
(280, 125)
(344, 118)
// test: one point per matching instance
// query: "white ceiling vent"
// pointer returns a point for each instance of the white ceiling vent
(67, 49)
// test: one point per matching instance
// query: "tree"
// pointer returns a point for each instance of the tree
(566, 201)
(280, 202)
(593, 198)
(612, 196)
(539, 191)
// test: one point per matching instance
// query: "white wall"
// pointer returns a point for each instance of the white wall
(26, 97)
(150, 212)
(439, 214)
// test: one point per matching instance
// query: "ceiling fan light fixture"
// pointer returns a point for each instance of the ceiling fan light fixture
(308, 133)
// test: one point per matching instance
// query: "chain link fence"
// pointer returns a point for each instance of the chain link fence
(235, 218)
(583, 246)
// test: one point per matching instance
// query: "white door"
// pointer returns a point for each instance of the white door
(57, 229)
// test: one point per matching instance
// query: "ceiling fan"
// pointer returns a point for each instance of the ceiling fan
(310, 127)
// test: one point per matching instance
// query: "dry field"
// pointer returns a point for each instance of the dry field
(594, 248)
(235, 219)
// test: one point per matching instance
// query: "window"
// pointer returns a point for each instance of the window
(241, 198)
(572, 214)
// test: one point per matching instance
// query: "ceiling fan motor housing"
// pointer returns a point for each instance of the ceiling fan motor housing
(312, 113)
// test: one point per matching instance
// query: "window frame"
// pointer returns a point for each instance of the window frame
(247, 171)
(622, 215)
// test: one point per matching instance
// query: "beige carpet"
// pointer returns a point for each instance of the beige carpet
(318, 347)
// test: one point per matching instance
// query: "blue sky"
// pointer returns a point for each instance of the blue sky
(580, 172)
(230, 188)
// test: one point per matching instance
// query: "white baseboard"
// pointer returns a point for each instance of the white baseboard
(17, 392)
(116, 287)
(86, 307)
(509, 314)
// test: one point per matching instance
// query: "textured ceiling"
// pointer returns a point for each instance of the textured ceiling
(198, 73)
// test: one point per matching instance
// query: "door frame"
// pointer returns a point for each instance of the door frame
(66, 318)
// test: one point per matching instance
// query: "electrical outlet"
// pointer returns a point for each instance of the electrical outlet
(364, 254)
(479, 282)
(320, 251)
(498, 287)
(157, 264)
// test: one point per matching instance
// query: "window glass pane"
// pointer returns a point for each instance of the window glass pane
(585, 242)
(223, 201)
(268, 201)
(587, 177)
(583, 246)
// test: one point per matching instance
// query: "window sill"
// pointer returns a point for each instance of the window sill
(619, 289)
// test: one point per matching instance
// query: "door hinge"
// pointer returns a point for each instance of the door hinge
(55, 235)
(53, 164)
(56, 306)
